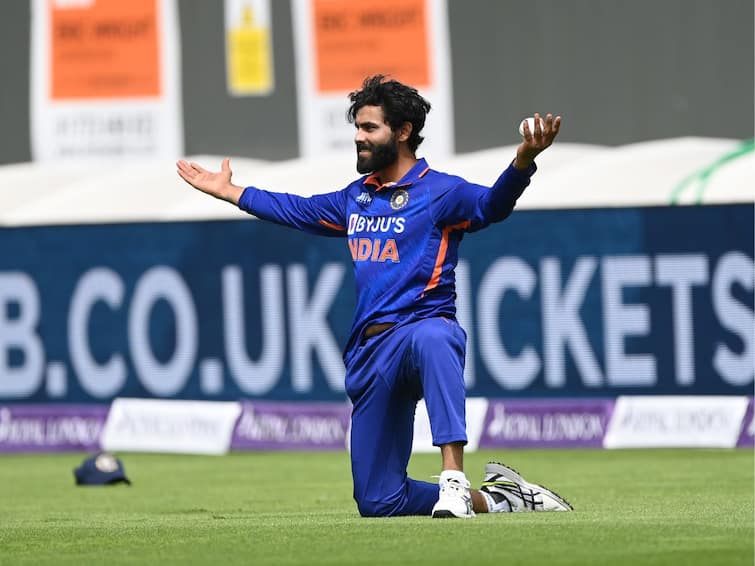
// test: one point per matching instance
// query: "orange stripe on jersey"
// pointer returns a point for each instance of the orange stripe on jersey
(424, 172)
(435, 278)
(332, 226)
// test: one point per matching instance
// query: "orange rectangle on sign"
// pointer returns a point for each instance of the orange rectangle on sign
(356, 39)
(104, 49)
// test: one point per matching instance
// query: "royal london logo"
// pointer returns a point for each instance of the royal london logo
(399, 199)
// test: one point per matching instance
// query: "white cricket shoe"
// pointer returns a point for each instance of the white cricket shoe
(511, 492)
(455, 501)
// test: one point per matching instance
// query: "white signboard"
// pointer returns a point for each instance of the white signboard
(476, 408)
(676, 422)
(338, 43)
(182, 427)
(105, 82)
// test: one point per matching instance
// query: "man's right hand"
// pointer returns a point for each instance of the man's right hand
(217, 184)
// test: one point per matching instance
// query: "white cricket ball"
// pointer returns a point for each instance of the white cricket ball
(531, 124)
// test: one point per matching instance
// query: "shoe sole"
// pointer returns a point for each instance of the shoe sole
(444, 514)
(516, 477)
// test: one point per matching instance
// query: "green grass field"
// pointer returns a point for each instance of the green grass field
(634, 507)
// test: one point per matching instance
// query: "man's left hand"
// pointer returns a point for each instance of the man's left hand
(535, 142)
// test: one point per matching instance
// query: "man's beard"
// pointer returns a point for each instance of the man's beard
(381, 156)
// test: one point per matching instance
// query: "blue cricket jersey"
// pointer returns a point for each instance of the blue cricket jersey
(403, 237)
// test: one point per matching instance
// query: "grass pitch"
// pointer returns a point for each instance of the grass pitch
(633, 507)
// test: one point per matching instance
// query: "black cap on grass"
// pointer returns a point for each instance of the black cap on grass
(101, 469)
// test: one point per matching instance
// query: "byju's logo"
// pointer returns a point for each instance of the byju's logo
(375, 224)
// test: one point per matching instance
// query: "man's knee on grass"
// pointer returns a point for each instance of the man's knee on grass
(386, 507)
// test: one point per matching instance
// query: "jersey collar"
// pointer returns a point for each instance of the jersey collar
(414, 174)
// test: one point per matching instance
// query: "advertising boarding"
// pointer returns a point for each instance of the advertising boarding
(591, 303)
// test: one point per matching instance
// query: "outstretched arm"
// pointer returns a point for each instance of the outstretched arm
(217, 184)
(319, 214)
(482, 205)
(498, 202)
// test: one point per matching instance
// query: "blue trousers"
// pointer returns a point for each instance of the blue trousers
(385, 378)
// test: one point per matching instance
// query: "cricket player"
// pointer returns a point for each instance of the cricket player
(403, 223)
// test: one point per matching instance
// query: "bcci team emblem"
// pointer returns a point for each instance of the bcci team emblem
(399, 199)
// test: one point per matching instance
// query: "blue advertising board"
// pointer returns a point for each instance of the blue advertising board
(556, 303)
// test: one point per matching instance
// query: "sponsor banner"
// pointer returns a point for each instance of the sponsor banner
(248, 47)
(562, 423)
(338, 43)
(208, 428)
(265, 425)
(556, 304)
(105, 80)
(747, 436)
(476, 409)
(676, 422)
(157, 425)
(51, 428)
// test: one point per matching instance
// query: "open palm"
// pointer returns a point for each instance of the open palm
(215, 183)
